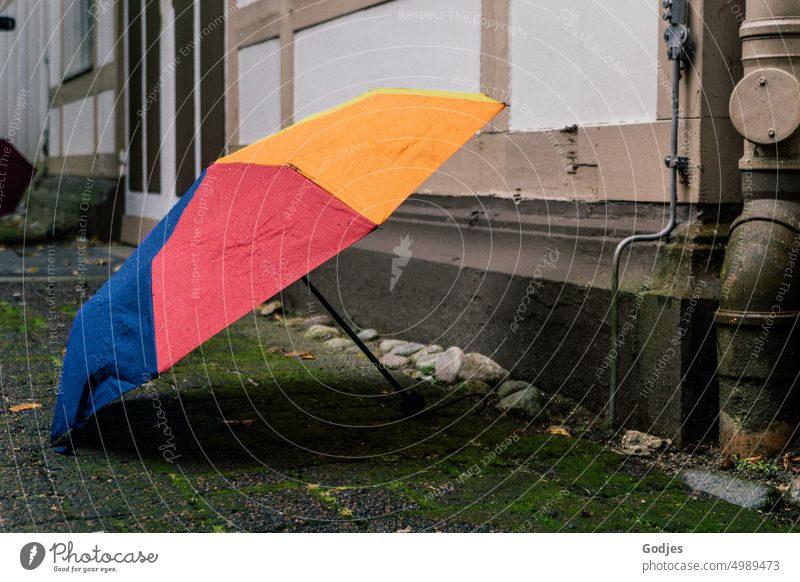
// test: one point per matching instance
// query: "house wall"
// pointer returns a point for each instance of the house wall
(23, 79)
(84, 111)
(587, 84)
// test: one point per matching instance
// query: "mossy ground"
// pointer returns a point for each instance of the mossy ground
(238, 436)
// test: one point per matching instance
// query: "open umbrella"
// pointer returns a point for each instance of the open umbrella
(253, 223)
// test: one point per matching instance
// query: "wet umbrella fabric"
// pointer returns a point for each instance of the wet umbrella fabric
(253, 223)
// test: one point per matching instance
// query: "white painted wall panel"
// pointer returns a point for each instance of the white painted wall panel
(583, 62)
(54, 127)
(54, 42)
(104, 31)
(259, 91)
(106, 122)
(23, 79)
(79, 128)
(405, 43)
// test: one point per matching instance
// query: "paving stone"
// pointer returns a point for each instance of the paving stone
(741, 492)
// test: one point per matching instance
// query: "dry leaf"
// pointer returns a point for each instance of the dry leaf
(559, 430)
(726, 464)
(754, 459)
(789, 459)
(25, 406)
(32, 270)
(245, 422)
(301, 355)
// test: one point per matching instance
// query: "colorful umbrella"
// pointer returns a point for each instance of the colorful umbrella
(253, 223)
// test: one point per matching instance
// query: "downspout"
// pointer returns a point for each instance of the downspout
(757, 320)
(677, 40)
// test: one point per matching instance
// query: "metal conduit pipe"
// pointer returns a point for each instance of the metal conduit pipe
(757, 320)
(677, 40)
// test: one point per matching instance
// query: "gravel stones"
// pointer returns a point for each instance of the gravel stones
(525, 404)
(407, 349)
(393, 361)
(321, 332)
(448, 365)
(476, 366)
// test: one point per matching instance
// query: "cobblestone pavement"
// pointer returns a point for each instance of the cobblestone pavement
(240, 436)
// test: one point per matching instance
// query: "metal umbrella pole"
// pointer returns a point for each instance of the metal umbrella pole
(413, 402)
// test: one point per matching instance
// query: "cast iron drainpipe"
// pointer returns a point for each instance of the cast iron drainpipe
(676, 37)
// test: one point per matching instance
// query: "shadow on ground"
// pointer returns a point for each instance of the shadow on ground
(238, 436)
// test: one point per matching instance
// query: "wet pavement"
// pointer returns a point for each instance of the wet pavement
(242, 436)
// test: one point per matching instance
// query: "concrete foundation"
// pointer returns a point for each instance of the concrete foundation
(528, 284)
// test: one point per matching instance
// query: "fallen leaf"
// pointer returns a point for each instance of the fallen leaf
(559, 430)
(789, 459)
(727, 464)
(754, 459)
(245, 422)
(301, 355)
(25, 406)
(253, 382)
(32, 270)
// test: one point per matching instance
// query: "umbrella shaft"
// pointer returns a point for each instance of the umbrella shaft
(353, 336)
